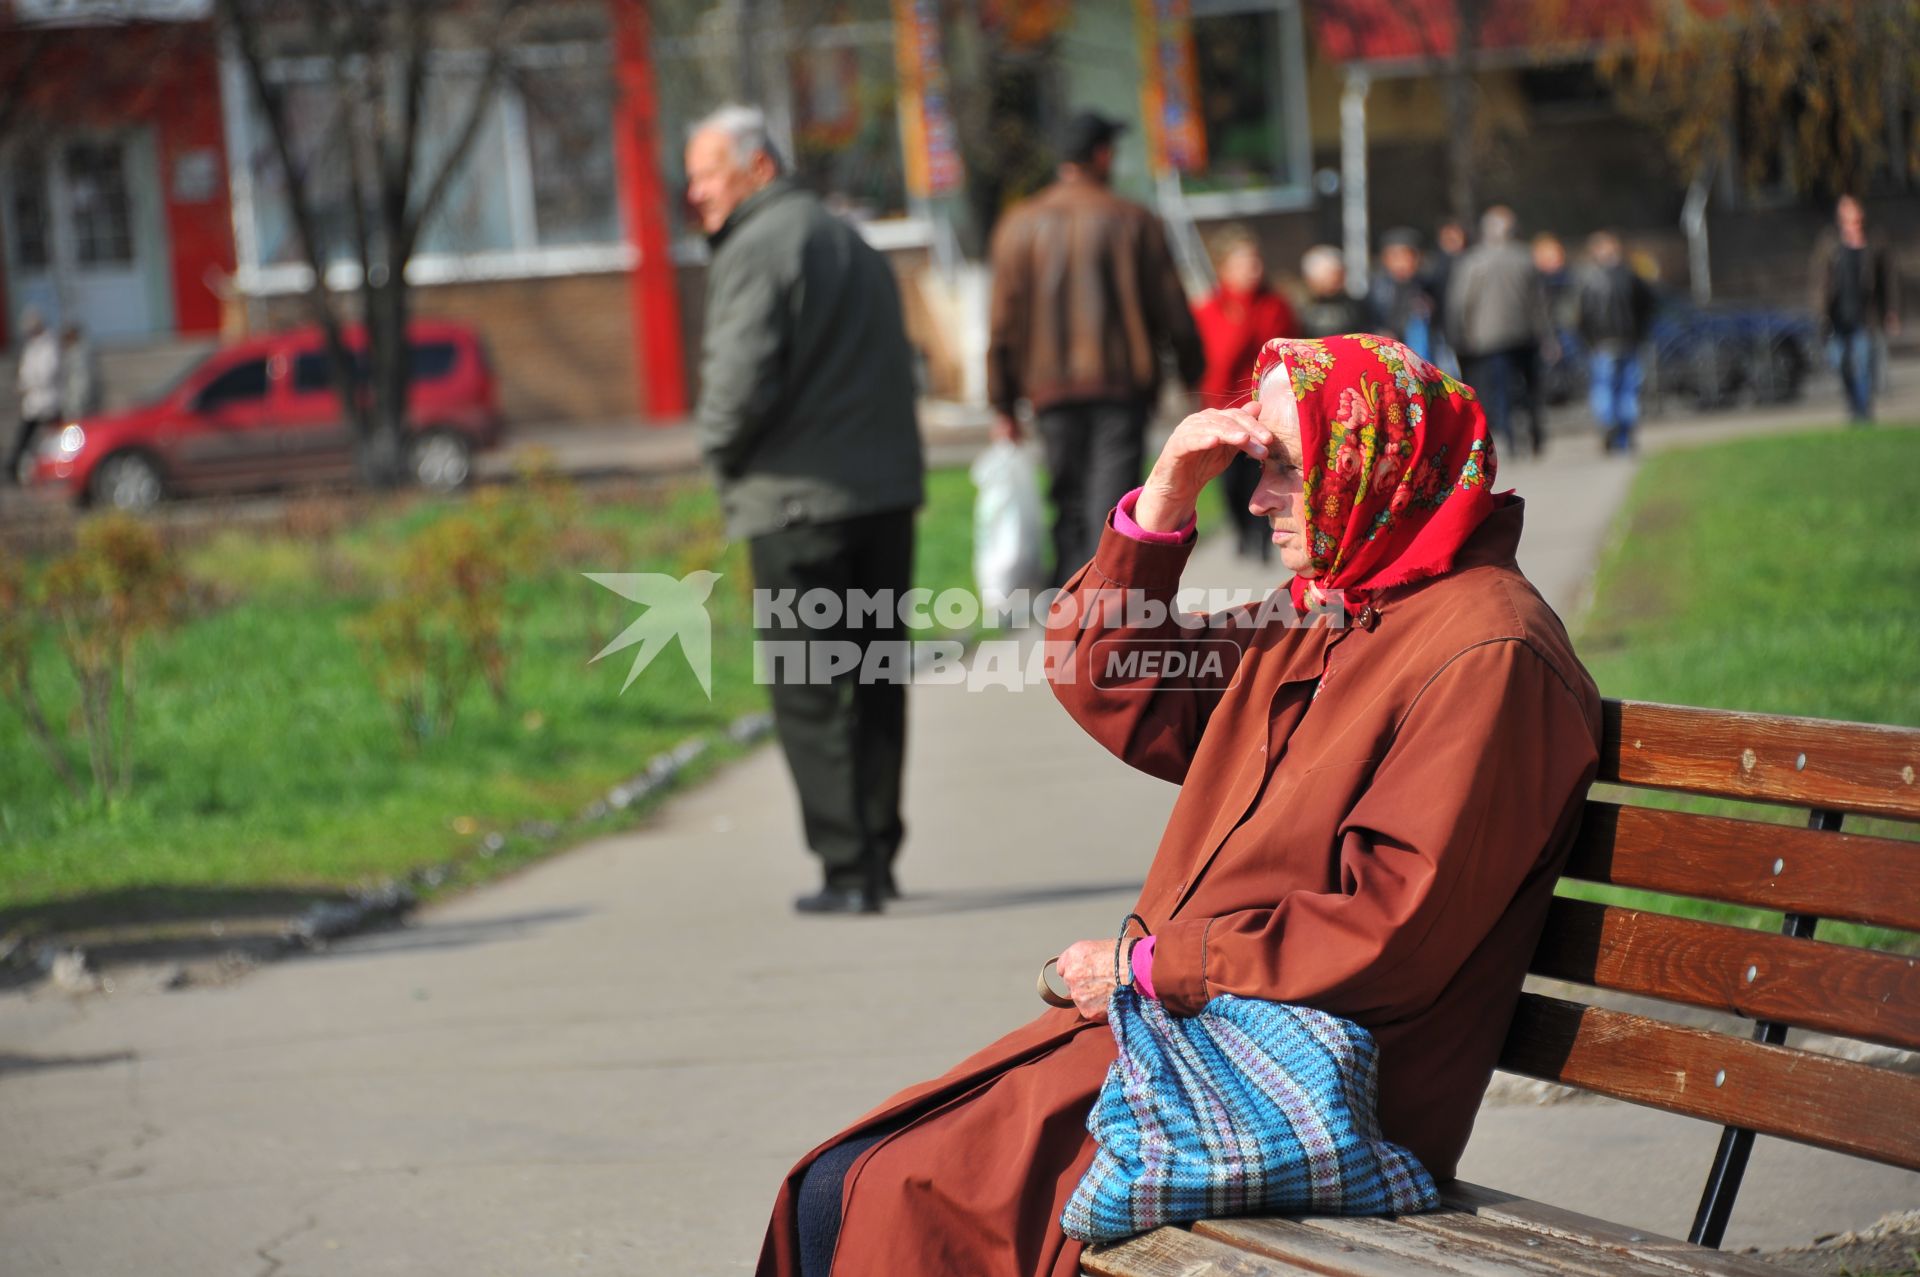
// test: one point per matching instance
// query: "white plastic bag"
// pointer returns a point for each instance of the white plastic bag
(1008, 521)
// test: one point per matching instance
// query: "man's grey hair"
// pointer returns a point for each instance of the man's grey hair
(1498, 225)
(1321, 261)
(745, 127)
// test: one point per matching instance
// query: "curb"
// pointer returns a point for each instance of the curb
(69, 969)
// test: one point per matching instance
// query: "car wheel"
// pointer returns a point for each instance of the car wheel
(127, 481)
(1774, 374)
(1715, 375)
(441, 461)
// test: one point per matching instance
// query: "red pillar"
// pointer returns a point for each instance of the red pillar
(643, 198)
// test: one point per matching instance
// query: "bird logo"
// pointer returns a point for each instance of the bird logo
(675, 608)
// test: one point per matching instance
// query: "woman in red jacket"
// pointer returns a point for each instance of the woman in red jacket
(1242, 315)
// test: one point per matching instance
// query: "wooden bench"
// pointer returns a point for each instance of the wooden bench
(1746, 1084)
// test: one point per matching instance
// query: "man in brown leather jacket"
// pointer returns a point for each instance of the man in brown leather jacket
(1085, 300)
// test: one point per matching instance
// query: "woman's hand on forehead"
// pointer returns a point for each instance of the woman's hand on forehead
(1197, 452)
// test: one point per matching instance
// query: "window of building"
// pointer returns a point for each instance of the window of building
(567, 110)
(27, 212)
(827, 76)
(102, 207)
(241, 383)
(844, 113)
(539, 175)
(1250, 76)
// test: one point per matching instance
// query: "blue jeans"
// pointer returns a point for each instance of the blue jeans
(1614, 394)
(1854, 356)
(1508, 383)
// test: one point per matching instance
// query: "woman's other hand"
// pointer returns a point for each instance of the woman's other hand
(1199, 451)
(1087, 967)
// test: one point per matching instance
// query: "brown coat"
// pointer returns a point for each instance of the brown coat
(1085, 299)
(1383, 850)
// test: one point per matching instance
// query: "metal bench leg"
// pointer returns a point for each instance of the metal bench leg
(1736, 1143)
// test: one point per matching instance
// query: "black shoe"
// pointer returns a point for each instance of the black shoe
(832, 899)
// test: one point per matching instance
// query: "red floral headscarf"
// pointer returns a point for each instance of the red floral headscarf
(1398, 463)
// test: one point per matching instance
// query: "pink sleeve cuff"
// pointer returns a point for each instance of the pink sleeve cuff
(1141, 960)
(1123, 524)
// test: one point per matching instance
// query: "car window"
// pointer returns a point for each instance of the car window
(245, 382)
(431, 360)
(313, 371)
(426, 361)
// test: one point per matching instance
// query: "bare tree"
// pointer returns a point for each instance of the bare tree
(379, 57)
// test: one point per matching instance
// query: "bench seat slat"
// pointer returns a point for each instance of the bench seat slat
(1721, 858)
(1368, 1248)
(1858, 993)
(1562, 1254)
(1796, 1095)
(1670, 1253)
(1175, 1252)
(1852, 767)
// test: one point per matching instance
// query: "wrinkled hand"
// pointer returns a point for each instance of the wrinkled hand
(1197, 452)
(1087, 967)
(1007, 429)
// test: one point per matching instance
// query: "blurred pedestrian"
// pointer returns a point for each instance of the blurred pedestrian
(1241, 316)
(37, 379)
(80, 388)
(807, 421)
(1401, 295)
(1556, 277)
(1331, 311)
(1613, 309)
(1086, 297)
(1497, 321)
(1449, 243)
(1856, 294)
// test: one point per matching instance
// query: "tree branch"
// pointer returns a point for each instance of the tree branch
(500, 28)
(243, 24)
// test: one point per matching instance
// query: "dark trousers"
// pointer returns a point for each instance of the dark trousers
(1253, 535)
(818, 1208)
(1508, 381)
(1094, 452)
(845, 739)
(23, 438)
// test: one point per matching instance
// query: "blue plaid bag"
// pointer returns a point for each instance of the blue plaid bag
(1248, 1107)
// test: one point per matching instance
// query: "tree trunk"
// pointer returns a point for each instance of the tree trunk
(1460, 148)
(384, 447)
(1462, 113)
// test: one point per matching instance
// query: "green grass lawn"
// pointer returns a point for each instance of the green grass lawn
(1780, 575)
(266, 764)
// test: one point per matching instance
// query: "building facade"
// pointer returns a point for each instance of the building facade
(141, 193)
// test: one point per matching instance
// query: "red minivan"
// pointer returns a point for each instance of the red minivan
(262, 414)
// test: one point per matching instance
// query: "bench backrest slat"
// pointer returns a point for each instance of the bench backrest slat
(1853, 877)
(1798, 762)
(1856, 993)
(1834, 1104)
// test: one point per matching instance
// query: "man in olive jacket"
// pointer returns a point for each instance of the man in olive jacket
(806, 419)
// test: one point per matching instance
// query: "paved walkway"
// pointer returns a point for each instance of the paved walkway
(603, 1064)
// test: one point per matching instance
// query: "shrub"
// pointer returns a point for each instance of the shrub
(448, 620)
(118, 584)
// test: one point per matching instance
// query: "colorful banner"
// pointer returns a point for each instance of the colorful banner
(927, 138)
(1169, 93)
